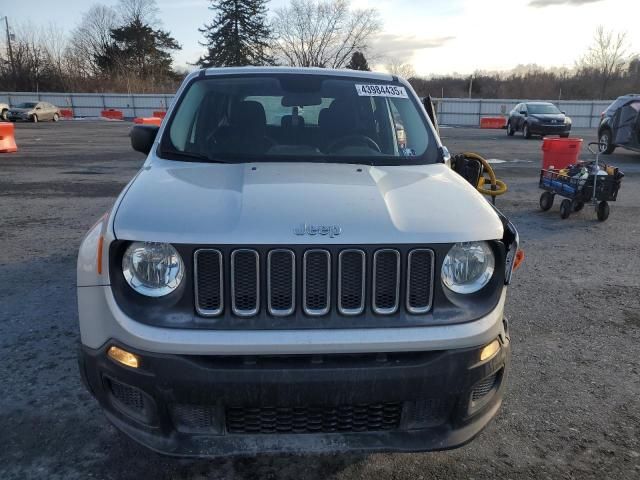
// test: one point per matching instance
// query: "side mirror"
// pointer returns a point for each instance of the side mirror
(563, 112)
(142, 137)
(38, 108)
(431, 112)
(523, 112)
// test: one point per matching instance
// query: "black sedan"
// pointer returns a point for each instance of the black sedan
(538, 118)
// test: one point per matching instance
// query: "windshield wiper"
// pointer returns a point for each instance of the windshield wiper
(191, 155)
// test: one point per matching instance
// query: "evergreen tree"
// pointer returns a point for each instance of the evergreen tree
(139, 49)
(239, 35)
(358, 62)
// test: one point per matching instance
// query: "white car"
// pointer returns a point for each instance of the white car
(4, 112)
(286, 274)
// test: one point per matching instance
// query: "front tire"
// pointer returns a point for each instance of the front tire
(577, 206)
(34, 118)
(546, 201)
(606, 146)
(603, 211)
(526, 131)
(510, 130)
(4, 116)
(565, 208)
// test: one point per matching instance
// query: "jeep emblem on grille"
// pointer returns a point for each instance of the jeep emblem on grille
(307, 229)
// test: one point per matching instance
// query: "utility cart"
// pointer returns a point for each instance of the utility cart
(585, 182)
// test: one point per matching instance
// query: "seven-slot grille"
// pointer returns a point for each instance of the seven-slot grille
(314, 277)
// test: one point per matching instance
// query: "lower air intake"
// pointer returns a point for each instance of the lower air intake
(483, 387)
(196, 418)
(127, 395)
(344, 418)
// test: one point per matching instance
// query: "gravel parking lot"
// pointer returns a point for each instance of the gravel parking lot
(573, 404)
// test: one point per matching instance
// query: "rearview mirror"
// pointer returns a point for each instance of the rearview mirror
(301, 100)
(142, 137)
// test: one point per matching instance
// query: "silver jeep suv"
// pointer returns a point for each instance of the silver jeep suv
(287, 273)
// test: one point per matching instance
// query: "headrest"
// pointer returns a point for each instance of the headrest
(289, 121)
(250, 115)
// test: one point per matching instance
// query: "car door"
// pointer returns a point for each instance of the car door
(513, 118)
(636, 128)
(625, 125)
(522, 116)
(50, 110)
(40, 112)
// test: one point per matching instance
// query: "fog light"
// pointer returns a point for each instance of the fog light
(123, 357)
(490, 350)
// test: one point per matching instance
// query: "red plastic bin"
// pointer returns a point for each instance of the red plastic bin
(560, 152)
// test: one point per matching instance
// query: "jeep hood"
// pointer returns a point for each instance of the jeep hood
(263, 203)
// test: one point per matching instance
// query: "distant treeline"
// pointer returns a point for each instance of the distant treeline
(532, 85)
(538, 84)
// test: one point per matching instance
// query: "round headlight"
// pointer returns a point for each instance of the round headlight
(468, 267)
(152, 269)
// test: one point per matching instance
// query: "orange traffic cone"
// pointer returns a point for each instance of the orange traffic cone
(7, 138)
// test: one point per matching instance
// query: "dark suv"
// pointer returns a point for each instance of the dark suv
(538, 118)
(620, 125)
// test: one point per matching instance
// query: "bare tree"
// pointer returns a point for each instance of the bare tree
(143, 11)
(322, 33)
(606, 56)
(397, 67)
(29, 57)
(91, 39)
(55, 44)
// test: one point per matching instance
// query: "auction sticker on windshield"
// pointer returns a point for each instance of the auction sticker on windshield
(377, 90)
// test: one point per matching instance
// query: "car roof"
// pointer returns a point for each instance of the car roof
(298, 71)
(538, 103)
(627, 97)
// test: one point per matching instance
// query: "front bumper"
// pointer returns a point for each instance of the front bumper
(544, 129)
(215, 405)
(18, 117)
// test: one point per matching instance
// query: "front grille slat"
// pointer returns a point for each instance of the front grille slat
(245, 282)
(307, 286)
(281, 282)
(316, 282)
(386, 281)
(208, 272)
(419, 280)
(314, 419)
(351, 282)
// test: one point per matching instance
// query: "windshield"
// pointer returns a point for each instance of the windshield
(298, 118)
(544, 108)
(26, 105)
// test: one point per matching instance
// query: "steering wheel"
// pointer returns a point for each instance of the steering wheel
(353, 139)
(270, 142)
(212, 142)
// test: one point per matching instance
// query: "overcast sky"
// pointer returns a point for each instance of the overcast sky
(436, 36)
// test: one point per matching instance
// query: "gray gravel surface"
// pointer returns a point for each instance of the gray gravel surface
(573, 404)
